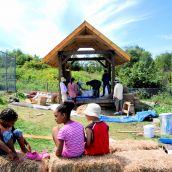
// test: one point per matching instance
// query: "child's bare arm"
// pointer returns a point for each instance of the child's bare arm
(4, 147)
(12, 155)
(59, 148)
(88, 136)
(28, 147)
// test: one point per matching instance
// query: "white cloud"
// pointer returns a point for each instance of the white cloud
(101, 11)
(119, 23)
(35, 26)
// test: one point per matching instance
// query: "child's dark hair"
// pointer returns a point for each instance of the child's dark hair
(8, 115)
(72, 80)
(66, 108)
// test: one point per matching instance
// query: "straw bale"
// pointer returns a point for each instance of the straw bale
(55, 97)
(6, 165)
(145, 161)
(80, 109)
(108, 163)
(125, 145)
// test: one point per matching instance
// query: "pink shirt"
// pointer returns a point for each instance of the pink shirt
(73, 135)
(72, 89)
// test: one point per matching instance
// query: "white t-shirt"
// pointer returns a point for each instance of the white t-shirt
(118, 91)
(63, 87)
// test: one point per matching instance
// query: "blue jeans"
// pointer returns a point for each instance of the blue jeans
(8, 135)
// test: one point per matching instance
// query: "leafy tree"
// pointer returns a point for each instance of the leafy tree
(164, 62)
(21, 58)
(140, 71)
(164, 65)
(35, 64)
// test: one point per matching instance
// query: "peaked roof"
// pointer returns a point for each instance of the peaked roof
(86, 36)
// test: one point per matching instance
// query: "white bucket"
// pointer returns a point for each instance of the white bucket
(148, 131)
(166, 123)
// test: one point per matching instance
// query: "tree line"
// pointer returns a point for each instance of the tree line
(142, 71)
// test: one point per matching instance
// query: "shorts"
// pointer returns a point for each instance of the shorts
(7, 135)
(118, 103)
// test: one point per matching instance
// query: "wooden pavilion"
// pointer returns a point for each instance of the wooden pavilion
(104, 51)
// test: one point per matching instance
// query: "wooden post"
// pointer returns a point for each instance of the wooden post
(113, 72)
(47, 86)
(59, 77)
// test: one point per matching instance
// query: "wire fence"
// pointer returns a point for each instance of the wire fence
(7, 72)
(36, 85)
(146, 92)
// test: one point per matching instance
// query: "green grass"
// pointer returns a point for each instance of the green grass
(41, 122)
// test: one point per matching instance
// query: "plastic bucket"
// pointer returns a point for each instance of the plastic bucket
(148, 131)
(166, 123)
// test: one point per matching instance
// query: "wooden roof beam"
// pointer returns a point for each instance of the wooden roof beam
(86, 59)
(66, 53)
(83, 37)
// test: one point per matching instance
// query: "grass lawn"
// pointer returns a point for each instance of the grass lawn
(40, 122)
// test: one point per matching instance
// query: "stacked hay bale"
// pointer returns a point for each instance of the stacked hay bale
(145, 161)
(108, 163)
(126, 156)
(80, 109)
(6, 165)
(128, 145)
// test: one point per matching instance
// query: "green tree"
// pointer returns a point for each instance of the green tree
(140, 71)
(164, 65)
(21, 58)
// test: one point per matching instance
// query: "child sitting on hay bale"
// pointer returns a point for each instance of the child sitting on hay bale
(9, 135)
(97, 136)
(70, 138)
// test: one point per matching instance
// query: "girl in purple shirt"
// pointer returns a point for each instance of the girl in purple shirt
(69, 139)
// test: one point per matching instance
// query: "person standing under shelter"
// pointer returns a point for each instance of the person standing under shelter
(72, 89)
(95, 84)
(106, 82)
(63, 89)
(118, 97)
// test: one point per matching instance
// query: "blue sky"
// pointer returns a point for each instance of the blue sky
(37, 26)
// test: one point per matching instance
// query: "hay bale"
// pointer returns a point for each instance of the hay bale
(145, 161)
(108, 163)
(6, 165)
(126, 145)
(80, 109)
(55, 97)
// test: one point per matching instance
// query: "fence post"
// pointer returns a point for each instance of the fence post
(47, 86)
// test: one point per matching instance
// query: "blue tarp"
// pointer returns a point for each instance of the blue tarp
(165, 140)
(140, 116)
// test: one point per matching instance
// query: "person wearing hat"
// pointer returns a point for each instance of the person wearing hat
(97, 132)
(118, 97)
(63, 89)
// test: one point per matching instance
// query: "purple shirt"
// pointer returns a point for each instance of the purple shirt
(73, 135)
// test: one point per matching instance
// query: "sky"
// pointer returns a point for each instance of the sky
(37, 26)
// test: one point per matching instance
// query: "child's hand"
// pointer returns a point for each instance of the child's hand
(12, 155)
(28, 147)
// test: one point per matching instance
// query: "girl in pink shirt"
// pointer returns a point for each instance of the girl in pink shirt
(69, 139)
(73, 89)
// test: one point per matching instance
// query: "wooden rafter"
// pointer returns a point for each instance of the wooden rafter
(86, 36)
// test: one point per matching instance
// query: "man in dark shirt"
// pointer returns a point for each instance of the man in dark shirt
(95, 84)
(106, 82)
